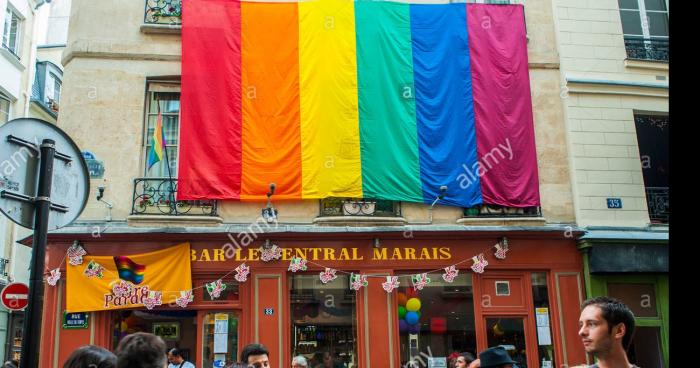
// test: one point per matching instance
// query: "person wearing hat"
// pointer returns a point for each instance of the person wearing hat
(496, 357)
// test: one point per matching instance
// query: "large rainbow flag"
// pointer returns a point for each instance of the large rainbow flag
(342, 98)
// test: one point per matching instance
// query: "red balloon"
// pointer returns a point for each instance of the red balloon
(402, 299)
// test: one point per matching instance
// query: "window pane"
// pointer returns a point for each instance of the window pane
(220, 340)
(4, 109)
(658, 24)
(655, 4)
(169, 107)
(540, 297)
(444, 324)
(640, 298)
(509, 333)
(628, 4)
(631, 23)
(645, 349)
(324, 321)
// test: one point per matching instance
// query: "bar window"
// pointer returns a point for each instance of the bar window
(436, 322)
(324, 328)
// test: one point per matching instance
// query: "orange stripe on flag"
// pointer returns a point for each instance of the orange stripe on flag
(270, 93)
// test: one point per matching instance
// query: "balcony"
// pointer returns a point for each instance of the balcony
(154, 204)
(166, 12)
(647, 49)
(657, 202)
(349, 211)
(493, 215)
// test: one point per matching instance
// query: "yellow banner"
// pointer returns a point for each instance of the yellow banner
(128, 281)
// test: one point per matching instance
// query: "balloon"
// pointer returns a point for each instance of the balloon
(403, 326)
(412, 318)
(123, 326)
(414, 329)
(411, 293)
(402, 299)
(402, 311)
(413, 304)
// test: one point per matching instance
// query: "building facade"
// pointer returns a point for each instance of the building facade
(614, 64)
(122, 68)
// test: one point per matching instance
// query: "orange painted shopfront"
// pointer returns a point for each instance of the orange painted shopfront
(528, 302)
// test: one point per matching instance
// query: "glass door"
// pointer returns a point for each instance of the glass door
(220, 339)
(509, 332)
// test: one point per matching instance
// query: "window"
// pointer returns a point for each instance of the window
(645, 28)
(324, 327)
(167, 104)
(10, 35)
(653, 132)
(52, 94)
(437, 321)
(4, 108)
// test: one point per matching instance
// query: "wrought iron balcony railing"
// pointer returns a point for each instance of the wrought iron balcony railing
(359, 207)
(657, 202)
(646, 49)
(485, 210)
(156, 196)
(163, 12)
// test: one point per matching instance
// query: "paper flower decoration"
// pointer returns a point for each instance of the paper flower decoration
(450, 274)
(328, 275)
(392, 282)
(53, 278)
(358, 281)
(242, 272)
(501, 249)
(184, 299)
(75, 254)
(153, 299)
(122, 288)
(297, 264)
(94, 269)
(269, 253)
(479, 263)
(420, 280)
(215, 288)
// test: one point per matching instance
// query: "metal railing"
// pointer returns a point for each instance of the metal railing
(163, 12)
(486, 210)
(657, 203)
(359, 207)
(646, 49)
(156, 196)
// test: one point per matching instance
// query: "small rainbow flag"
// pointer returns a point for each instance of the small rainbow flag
(129, 270)
(155, 154)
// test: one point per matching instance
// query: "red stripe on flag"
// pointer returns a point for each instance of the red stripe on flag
(210, 117)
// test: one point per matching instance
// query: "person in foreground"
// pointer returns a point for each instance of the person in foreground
(176, 360)
(91, 356)
(141, 350)
(606, 329)
(256, 356)
(495, 357)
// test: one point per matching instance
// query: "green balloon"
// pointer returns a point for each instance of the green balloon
(402, 312)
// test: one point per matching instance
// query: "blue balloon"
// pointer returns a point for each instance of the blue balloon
(403, 326)
(412, 318)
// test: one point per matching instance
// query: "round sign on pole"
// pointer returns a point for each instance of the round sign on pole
(15, 296)
(20, 141)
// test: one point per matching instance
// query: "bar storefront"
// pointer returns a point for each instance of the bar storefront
(327, 296)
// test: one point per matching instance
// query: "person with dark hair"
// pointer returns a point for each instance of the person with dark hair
(177, 360)
(463, 360)
(141, 350)
(256, 356)
(607, 326)
(89, 356)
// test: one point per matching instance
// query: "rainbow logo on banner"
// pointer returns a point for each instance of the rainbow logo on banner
(359, 99)
(129, 270)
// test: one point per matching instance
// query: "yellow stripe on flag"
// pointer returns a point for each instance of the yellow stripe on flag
(330, 136)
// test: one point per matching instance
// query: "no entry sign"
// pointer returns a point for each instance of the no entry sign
(15, 296)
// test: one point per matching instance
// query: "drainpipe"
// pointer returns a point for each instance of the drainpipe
(32, 63)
